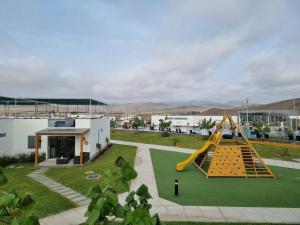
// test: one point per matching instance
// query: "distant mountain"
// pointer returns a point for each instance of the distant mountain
(200, 107)
(280, 105)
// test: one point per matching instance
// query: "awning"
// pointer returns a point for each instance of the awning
(63, 131)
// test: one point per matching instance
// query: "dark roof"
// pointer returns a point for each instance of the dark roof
(41, 101)
(62, 131)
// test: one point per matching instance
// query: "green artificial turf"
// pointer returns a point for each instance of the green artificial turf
(184, 141)
(48, 202)
(75, 177)
(197, 141)
(195, 189)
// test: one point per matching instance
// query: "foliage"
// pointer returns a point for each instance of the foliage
(261, 128)
(289, 132)
(137, 122)
(165, 134)
(207, 124)
(6, 160)
(113, 123)
(107, 140)
(16, 209)
(98, 146)
(164, 124)
(105, 206)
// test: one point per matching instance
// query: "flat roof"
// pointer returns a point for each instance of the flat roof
(62, 131)
(41, 101)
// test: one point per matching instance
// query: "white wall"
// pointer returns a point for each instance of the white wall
(186, 120)
(17, 132)
(6, 127)
(99, 130)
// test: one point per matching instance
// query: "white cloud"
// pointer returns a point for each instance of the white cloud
(238, 56)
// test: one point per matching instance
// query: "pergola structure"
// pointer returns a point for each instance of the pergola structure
(61, 132)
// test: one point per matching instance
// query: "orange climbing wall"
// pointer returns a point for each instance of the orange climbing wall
(227, 161)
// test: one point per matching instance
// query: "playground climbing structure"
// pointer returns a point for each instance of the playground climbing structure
(227, 153)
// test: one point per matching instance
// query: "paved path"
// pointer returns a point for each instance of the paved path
(169, 211)
(66, 192)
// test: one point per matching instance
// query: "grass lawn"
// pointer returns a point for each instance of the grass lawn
(284, 153)
(75, 177)
(196, 141)
(184, 141)
(48, 202)
(195, 189)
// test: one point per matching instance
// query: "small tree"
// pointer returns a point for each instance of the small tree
(16, 209)
(113, 123)
(207, 124)
(164, 124)
(137, 122)
(261, 128)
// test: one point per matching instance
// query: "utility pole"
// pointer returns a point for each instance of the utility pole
(15, 107)
(90, 108)
(295, 113)
(247, 116)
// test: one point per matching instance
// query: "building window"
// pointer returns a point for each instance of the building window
(2, 134)
(31, 142)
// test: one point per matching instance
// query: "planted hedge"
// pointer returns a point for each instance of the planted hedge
(6, 160)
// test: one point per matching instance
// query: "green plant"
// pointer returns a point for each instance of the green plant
(107, 140)
(98, 146)
(16, 209)
(207, 124)
(113, 123)
(105, 206)
(164, 124)
(137, 122)
(165, 134)
(261, 128)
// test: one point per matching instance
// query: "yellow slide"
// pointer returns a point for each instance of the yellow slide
(180, 166)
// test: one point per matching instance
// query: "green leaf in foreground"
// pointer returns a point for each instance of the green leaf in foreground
(3, 178)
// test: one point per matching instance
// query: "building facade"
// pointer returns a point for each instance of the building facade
(59, 138)
(185, 122)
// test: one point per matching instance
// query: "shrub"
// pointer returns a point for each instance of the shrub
(98, 146)
(165, 134)
(6, 160)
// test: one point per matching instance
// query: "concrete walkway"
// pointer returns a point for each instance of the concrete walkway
(66, 192)
(169, 211)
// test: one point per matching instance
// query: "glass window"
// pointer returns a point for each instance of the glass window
(31, 142)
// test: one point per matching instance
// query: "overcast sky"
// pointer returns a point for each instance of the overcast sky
(159, 51)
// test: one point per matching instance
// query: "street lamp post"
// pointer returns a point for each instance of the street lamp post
(247, 116)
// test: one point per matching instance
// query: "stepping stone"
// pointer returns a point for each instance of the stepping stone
(65, 191)
(84, 202)
(71, 196)
(89, 172)
(93, 176)
(79, 199)
(19, 167)
(297, 160)
(11, 166)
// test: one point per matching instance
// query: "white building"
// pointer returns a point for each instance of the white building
(185, 122)
(62, 139)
